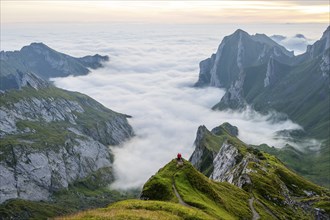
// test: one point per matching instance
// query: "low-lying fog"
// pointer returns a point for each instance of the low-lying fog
(150, 77)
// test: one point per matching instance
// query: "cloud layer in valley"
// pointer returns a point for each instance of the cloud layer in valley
(150, 77)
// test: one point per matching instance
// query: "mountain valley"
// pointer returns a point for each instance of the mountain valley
(57, 150)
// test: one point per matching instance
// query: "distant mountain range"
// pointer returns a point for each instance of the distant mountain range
(257, 71)
(44, 62)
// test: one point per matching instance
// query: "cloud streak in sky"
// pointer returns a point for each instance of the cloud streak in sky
(165, 11)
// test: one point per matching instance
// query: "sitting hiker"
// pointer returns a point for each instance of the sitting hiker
(179, 157)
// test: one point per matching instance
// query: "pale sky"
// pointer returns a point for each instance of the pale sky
(275, 11)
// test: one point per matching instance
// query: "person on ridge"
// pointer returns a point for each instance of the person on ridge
(179, 160)
(179, 157)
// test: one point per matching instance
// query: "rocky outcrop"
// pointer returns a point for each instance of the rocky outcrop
(202, 156)
(263, 176)
(236, 52)
(51, 138)
(34, 174)
(231, 166)
(205, 151)
(204, 71)
(270, 74)
(223, 163)
(35, 109)
(325, 64)
(112, 131)
(234, 96)
(44, 62)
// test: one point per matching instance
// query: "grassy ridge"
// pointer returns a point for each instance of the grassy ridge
(215, 200)
(222, 200)
(208, 199)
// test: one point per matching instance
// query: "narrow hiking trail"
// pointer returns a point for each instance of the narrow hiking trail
(178, 196)
(174, 187)
(267, 210)
(256, 215)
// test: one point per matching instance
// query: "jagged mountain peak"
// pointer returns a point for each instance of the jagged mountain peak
(240, 33)
(261, 38)
(235, 53)
(39, 48)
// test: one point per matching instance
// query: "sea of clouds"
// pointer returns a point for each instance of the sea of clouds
(150, 76)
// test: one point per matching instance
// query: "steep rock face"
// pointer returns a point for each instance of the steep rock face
(230, 166)
(265, 177)
(207, 145)
(202, 155)
(325, 64)
(33, 174)
(51, 138)
(273, 80)
(223, 162)
(236, 52)
(205, 69)
(317, 49)
(234, 96)
(44, 62)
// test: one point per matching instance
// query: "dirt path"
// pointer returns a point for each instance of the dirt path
(268, 210)
(178, 196)
(256, 216)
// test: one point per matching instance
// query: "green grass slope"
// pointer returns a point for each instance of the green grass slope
(204, 198)
(221, 200)
(207, 199)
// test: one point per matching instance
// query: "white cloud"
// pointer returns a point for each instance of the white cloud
(150, 76)
(297, 43)
(153, 83)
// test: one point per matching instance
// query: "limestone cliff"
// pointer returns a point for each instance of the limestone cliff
(51, 138)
